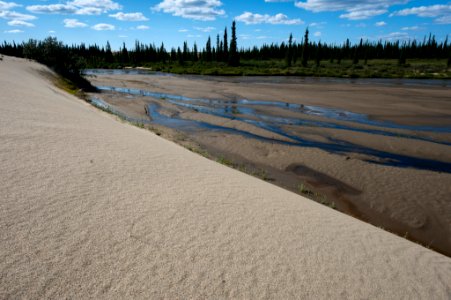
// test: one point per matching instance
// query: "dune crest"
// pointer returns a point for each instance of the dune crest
(94, 207)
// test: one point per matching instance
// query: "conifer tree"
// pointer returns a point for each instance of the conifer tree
(108, 53)
(162, 53)
(173, 54)
(226, 46)
(124, 54)
(208, 54)
(195, 53)
(234, 58)
(318, 54)
(305, 49)
(289, 54)
(180, 56)
(218, 49)
(185, 51)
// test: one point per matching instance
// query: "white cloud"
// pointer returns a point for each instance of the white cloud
(380, 24)
(444, 19)
(16, 19)
(317, 24)
(103, 26)
(105, 5)
(395, 36)
(355, 9)
(317, 34)
(13, 31)
(203, 10)
(251, 18)
(12, 15)
(52, 9)
(8, 5)
(425, 11)
(129, 16)
(20, 23)
(410, 28)
(205, 29)
(193, 36)
(79, 7)
(342, 5)
(441, 12)
(362, 14)
(89, 11)
(183, 30)
(73, 23)
(142, 27)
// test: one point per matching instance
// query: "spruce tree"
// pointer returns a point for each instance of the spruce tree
(173, 54)
(218, 49)
(357, 52)
(208, 50)
(195, 54)
(162, 53)
(289, 54)
(234, 59)
(305, 49)
(318, 55)
(180, 56)
(108, 53)
(226, 47)
(185, 51)
(124, 54)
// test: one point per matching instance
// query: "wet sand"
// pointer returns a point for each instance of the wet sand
(413, 202)
(412, 104)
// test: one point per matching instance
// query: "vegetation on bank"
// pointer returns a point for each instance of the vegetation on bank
(382, 59)
(374, 68)
(59, 57)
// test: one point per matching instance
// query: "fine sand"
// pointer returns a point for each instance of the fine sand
(411, 202)
(91, 207)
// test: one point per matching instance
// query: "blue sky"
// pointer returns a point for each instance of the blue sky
(258, 21)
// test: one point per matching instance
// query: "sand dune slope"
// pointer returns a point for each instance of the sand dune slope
(92, 207)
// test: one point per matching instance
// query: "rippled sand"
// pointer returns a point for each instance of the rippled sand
(93, 207)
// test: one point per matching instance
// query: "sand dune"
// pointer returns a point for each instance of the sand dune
(93, 207)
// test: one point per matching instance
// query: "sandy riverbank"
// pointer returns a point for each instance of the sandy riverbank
(397, 103)
(93, 207)
(412, 202)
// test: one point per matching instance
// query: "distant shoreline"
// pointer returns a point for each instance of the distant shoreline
(375, 69)
(397, 81)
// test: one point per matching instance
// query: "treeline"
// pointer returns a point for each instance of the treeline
(69, 60)
(307, 50)
(64, 60)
